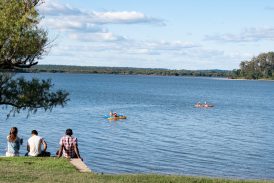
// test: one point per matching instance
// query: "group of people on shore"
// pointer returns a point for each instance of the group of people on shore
(68, 145)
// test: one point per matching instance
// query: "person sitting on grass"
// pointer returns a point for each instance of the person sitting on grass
(34, 145)
(13, 142)
(69, 146)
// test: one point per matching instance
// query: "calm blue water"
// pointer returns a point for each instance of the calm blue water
(164, 133)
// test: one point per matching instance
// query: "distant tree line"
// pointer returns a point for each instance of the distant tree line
(127, 71)
(260, 67)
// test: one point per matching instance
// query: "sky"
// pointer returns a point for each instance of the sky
(174, 34)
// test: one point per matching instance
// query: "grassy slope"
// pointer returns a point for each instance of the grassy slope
(25, 169)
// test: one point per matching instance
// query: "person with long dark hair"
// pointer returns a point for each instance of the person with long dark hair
(13, 143)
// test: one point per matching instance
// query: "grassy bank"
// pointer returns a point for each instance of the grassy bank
(24, 169)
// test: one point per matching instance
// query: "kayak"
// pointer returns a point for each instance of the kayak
(203, 105)
(117, 118)
(120, 116)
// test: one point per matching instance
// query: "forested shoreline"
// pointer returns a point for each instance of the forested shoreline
(260, 67)
(126, 71)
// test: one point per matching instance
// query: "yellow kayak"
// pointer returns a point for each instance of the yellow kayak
(117, 118)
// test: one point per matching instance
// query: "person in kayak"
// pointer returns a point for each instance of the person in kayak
(113, 114)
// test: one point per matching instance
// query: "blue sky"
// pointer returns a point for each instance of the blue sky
(177, 34)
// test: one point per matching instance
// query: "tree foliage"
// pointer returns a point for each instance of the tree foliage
(260, 67)
(22, 44)
(22, 94)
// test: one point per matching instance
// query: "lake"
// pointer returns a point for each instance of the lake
(163, 133)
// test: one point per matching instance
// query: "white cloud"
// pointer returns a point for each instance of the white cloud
(72, 25)
(215, 54)
(88, 26)
(123, 17)
(53, 8)
(113, 55)
(203, 53)
(95, 37)
(170, 45)
(149, 47)
(64, 11)
(107, 42)
(133, 53)
(247, 35)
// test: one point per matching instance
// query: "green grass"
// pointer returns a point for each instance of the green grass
(27, 169)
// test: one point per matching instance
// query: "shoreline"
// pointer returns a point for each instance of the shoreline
(74, 69)
(242, 79)
(150, 75)
(52, 169)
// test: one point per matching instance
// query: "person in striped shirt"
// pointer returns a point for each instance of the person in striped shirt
(69, 146)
